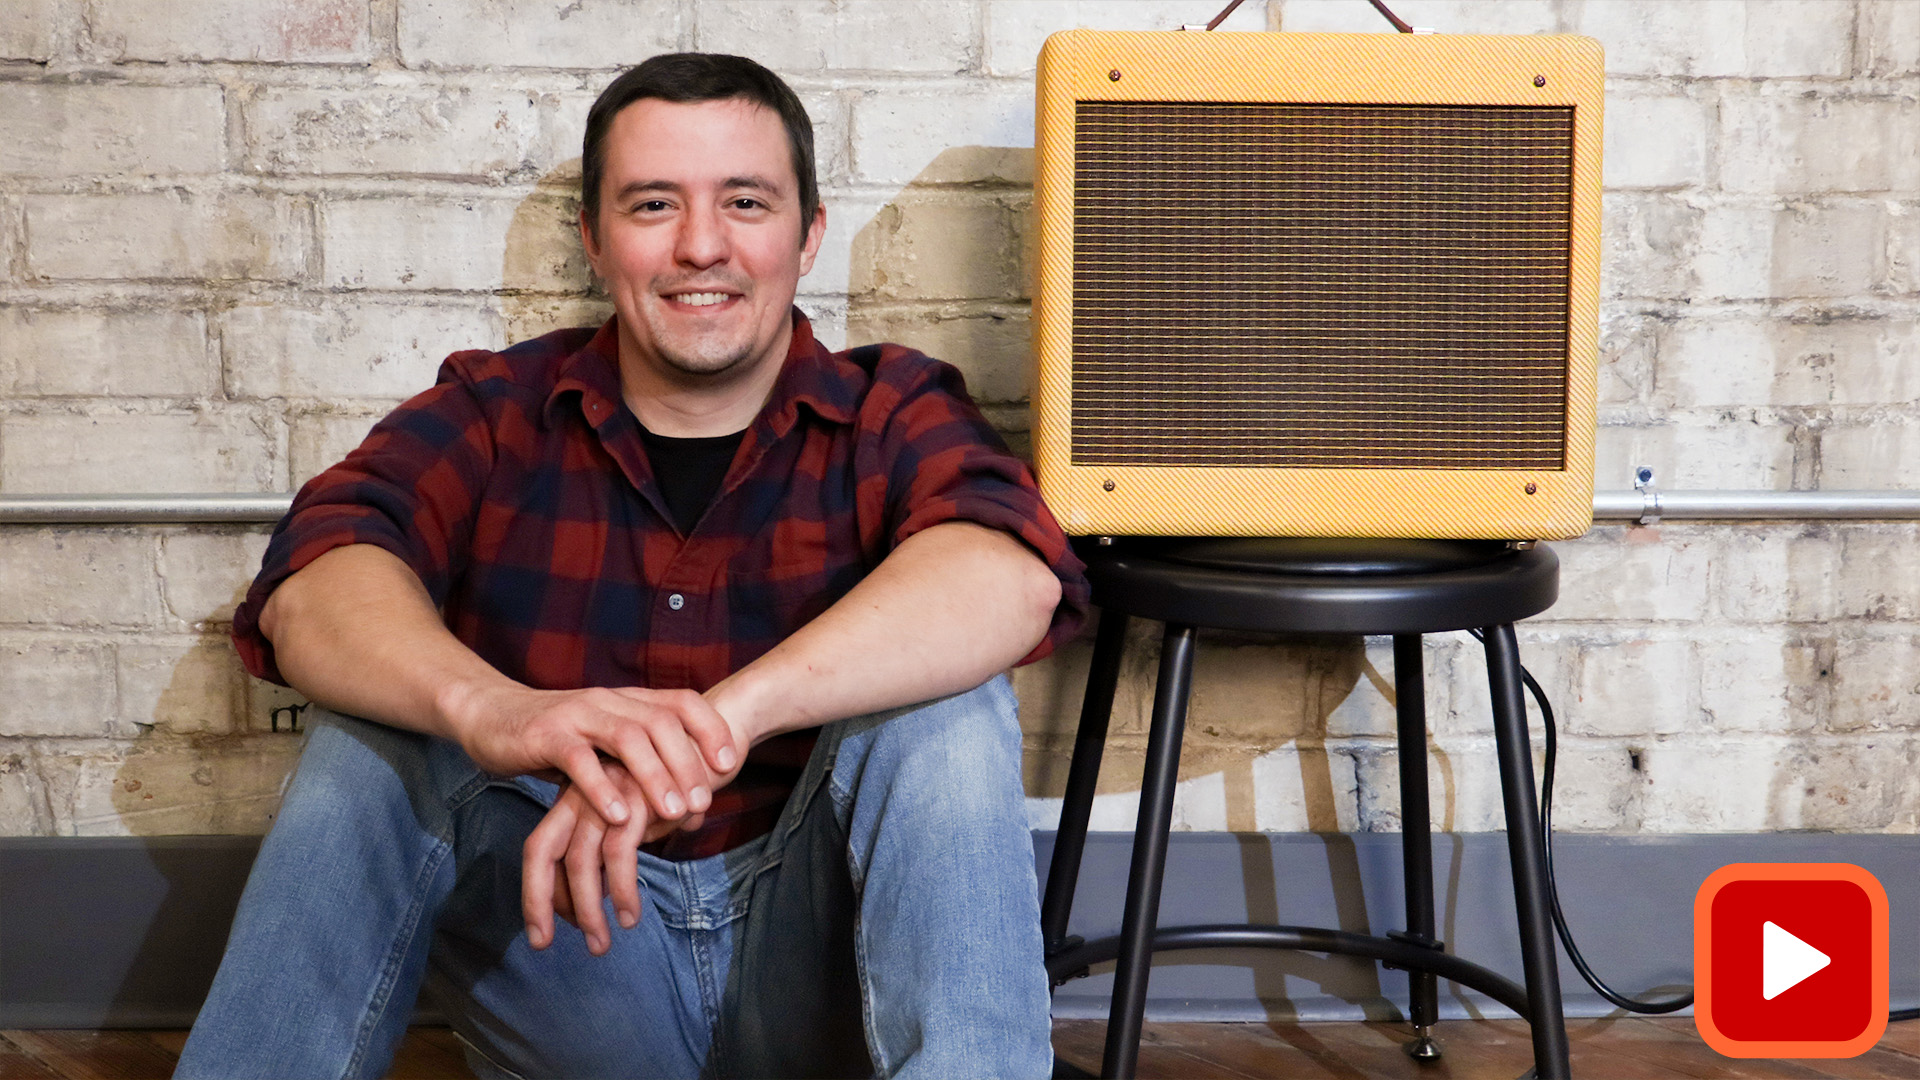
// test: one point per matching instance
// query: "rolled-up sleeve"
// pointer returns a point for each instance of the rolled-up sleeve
(412, 488)
(944, 462)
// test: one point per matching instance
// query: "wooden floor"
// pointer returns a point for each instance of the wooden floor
(1623, 1049)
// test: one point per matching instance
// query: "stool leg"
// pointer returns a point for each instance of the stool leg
(1525, 849)
(1416, 838)
(1063, 873)
(1149, 854)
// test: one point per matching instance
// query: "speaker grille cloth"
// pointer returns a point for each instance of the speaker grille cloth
(1366, 286)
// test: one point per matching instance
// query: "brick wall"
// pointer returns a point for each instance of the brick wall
(234, 232)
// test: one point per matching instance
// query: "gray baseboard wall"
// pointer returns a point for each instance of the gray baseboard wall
(127, 932)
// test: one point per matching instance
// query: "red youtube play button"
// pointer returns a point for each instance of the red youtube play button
(1790, 960)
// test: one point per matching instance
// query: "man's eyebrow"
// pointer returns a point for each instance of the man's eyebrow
(751, 181)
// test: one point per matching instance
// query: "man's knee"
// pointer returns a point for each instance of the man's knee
(960, 749)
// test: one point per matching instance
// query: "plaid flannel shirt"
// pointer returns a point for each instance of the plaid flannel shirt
(518, 490)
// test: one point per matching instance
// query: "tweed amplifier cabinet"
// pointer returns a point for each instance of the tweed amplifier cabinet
(1318, 284)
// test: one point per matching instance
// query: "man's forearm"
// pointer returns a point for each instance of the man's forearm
(356, 631)
(948, 609)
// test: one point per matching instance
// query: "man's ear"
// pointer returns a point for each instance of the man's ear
(589, 241)
(810, 243)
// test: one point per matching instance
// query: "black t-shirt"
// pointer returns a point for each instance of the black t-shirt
(689, 471)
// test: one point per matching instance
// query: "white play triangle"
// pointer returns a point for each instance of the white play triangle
(1785, 961)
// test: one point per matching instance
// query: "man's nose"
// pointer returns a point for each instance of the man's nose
(703, 238)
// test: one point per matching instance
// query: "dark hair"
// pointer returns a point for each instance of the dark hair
(690, 77)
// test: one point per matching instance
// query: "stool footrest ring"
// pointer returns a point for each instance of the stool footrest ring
(1072, 962)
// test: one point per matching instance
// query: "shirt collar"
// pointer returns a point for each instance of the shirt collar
(824, 381)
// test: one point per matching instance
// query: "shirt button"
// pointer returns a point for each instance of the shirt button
(676, 601)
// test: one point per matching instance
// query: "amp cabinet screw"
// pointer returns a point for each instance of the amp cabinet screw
(1539, 80)
(1114, 75)
(1531, 488)
(1108, 486)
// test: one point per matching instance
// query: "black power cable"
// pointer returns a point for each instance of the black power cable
(1614, 997)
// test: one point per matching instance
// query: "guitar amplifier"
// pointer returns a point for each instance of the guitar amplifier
(1318, 284)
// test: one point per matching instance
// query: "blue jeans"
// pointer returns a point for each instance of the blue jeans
(889, 925)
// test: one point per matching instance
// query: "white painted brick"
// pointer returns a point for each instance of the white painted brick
(1870, 360)
(940, 245)
(167, 235)
(1017, 28)
(1742, 360)
(1626, 355)
(1262, 695)
(1876, 683)
(204, 574)
(1305, 788)
(31, 29)
(991, 350)
(77, 577)
(207, 450)
(1646, 244)
(1860, 783)
(1688, 787)
(64, 129)
(170, 789)
(1443, 16)
(851, 220)
(1877, 571)
(472, 244)
(537, 33)
(1732, 254)
(57, 688)
(1903, 247)
(1709, 451)
(101, 352)
(1654, 141)
(320, 439)
(1836, 249)
(348, 350)
(1888, 39)
(272, 31)
(1638, 686)
(1760, 38)
(1619, 573)
(1882, 453)
(1760, 680)
(796, 37)
(1595, 787)
(428, 131)
(188, 687)
(1770, 573)
(982, 135)
(23, 806)
(1788, 141)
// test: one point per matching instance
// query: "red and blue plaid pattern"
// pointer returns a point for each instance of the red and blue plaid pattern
(518, 490)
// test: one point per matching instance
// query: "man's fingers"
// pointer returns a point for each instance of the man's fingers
(583, 767)
(583, 884)
(563, 895)
(712, 736)
(630, 743)
(544, 848)
(620, 855)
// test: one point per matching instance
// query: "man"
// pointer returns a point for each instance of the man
(577, 616)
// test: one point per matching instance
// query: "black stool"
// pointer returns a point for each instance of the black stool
(1405, 588)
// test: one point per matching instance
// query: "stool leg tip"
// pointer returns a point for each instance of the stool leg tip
(1424, 1048)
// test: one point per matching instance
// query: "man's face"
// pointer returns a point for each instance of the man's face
(699, 240)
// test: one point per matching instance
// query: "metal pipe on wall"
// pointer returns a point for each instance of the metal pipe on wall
(1633, 505)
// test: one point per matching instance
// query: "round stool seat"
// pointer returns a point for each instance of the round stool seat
(1323, 586)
